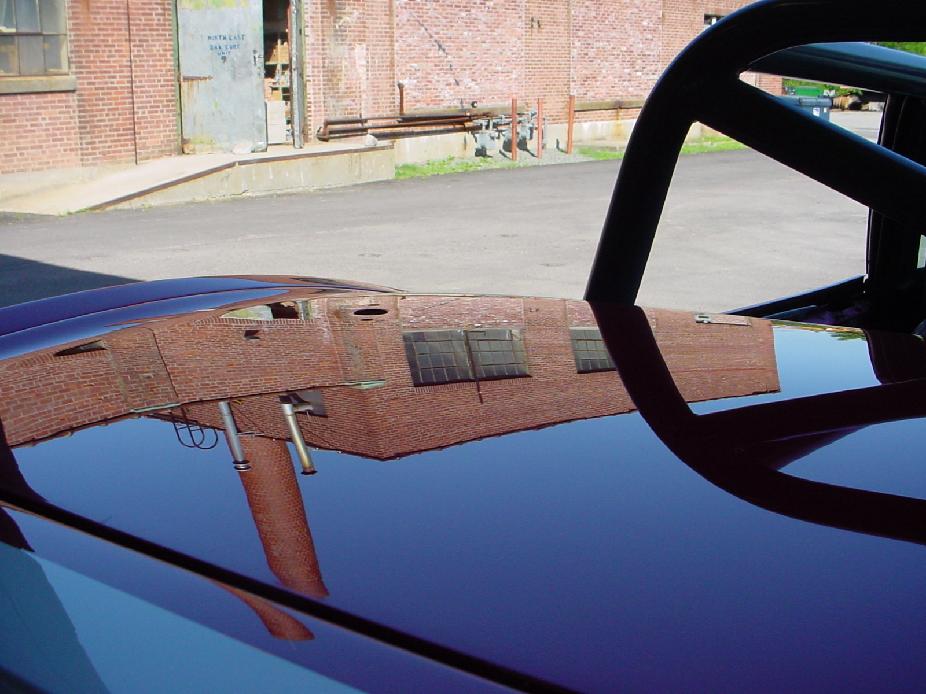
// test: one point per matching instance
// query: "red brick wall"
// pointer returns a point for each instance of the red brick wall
(450, 53)
(343, 56)
(210, 359)
(399, 418)
(616, 48)
(447, 53)
(103, 121)
(547, 55)
(279, 515)
(44, 394)
(114, 119)
(38, 131)
(100, 61)
(350, 64)
(381, 96)
(155, 79)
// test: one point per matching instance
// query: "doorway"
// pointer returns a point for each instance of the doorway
(278, 73)
(238, 80)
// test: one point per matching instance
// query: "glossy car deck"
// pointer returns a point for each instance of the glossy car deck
(585, 496)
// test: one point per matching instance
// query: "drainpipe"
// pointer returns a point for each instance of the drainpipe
(128, 31)
(304, 458)
(297, 72)
(231, 436)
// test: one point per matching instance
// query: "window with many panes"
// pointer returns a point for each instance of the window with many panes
(33, 38)
(589, 351)
(450, 356)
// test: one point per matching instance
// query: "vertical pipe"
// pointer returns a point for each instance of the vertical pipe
(401, 98)
(297, 72)
(128, 30)
(571, 116)
(231, 436)
(304, 458)
(514, 128)
(540, 128)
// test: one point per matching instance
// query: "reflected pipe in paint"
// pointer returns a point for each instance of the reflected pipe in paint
(308, 468)
(231, 436)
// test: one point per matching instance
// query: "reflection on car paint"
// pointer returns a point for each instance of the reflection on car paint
(228, 385)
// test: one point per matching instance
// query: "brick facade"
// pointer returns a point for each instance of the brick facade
(447, 54)
(176, 368)
(38, 131)
(616, 48)
(450, 54)
(124, 107)
(195, 362)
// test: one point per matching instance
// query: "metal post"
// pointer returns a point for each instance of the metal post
(514, 129)
(304, 458)
(539, 128)
(296, 73)
(401, 98)
(231, 436)
(571, 121)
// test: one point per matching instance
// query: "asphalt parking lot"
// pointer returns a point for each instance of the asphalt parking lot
(737, 229)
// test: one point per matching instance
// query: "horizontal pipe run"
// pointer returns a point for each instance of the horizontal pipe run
(398, 132)
(608, 105)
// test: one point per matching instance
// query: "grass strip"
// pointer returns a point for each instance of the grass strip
(450, 165)
(709, 143)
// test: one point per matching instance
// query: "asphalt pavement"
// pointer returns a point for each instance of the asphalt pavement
(738, 228)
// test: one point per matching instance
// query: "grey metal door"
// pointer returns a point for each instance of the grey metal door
(222, 75)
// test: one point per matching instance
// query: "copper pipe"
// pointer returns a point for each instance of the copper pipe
(570, 123)
(514, 129)
(539, 128)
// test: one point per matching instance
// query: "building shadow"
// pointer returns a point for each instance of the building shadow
(22, 280)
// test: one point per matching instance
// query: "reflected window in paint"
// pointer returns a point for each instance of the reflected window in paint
(589, 351)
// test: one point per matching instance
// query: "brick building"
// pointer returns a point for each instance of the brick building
(379, 376)
(519, 363)
(90, 82)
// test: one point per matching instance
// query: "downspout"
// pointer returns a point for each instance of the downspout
(175, 41)
(297, 72)
(128, 27)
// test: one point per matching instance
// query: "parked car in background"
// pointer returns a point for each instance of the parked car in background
(279, 483)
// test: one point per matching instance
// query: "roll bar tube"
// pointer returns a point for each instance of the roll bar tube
(703, 84)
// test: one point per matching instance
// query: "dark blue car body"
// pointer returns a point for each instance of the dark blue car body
(281, 483)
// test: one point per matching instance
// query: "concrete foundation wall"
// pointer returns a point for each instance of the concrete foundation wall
(416, 150)
(266, 177)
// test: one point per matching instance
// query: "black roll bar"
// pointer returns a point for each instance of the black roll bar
(743, 450)
(703, 84)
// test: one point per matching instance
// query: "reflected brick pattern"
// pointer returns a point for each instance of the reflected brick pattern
(276, 505)
(360, 366)
(356, 361)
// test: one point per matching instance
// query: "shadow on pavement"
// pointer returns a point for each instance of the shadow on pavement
(25, 280)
